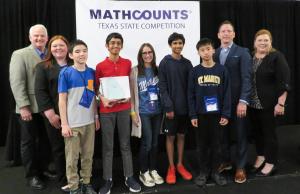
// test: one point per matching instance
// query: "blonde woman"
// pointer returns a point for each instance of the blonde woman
(268, 100)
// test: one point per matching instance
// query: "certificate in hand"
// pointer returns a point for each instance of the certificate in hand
(115, 88)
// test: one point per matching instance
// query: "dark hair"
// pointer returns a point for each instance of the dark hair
(49, 59)
(226, 22)
(203, 42)
(76, 43)
(175, 36)
(140, 65)
(114, 35)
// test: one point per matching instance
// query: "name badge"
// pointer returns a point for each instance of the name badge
(86, 98)
(211, 103)
(152, 91)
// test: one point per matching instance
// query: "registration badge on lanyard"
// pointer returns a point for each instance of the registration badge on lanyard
(152, 91)
(211, 103)
(86, 98)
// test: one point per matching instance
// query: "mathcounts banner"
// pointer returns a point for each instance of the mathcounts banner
(138, 22)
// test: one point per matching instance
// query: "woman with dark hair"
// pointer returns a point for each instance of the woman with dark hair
(146, 113)
(47, 99)
(270, 87)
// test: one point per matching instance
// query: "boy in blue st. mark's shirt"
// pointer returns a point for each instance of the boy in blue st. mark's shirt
(209, 110)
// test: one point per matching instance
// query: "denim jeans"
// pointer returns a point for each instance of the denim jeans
(148, 150)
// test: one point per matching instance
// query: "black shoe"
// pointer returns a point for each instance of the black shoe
(65, 188)
(224, 167)
(77, 191)
(63, 184)
(50, 175)
(132, 185)
(105, 189)
(261, 174)
(219, 179)
(255, 170)
(201, 179)
(36, 183)
(87, 189)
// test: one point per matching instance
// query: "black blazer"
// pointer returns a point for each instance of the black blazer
(46, 86)
(239, 66)
(272, 79)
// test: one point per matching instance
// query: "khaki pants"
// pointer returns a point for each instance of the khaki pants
(82, 142)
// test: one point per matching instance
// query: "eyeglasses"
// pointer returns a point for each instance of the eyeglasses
(147, 53)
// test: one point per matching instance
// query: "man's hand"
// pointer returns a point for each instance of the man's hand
(223, 121)
(25, 113)
(241, 110)
(170, 115)
(53, 118)
(194, 122)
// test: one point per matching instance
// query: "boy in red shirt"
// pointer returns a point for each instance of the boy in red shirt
(115, 112)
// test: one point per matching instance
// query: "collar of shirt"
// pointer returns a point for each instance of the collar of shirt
(114, 62)
(226, 49)
(40, 53)
(62, 65)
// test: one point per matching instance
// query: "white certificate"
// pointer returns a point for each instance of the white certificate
(115, 88)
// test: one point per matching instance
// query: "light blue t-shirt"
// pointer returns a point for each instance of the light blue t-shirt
(149, 100)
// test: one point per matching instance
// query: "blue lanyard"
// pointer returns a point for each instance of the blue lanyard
(83, 80)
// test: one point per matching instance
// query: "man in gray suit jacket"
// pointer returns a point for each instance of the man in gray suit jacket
(22, 76)
(237, 60)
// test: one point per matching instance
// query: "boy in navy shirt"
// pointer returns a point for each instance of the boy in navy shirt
(173, 77)
(209, 110)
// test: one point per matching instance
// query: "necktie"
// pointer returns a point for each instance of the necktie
(42, 56)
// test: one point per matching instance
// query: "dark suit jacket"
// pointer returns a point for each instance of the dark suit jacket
(239, 66)
(272, 79)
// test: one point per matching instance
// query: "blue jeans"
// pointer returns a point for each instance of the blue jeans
(148, 149)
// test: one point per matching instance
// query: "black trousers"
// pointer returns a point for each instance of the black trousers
(58, 148)
(264, 127)
(34, 146)
(209, 137)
